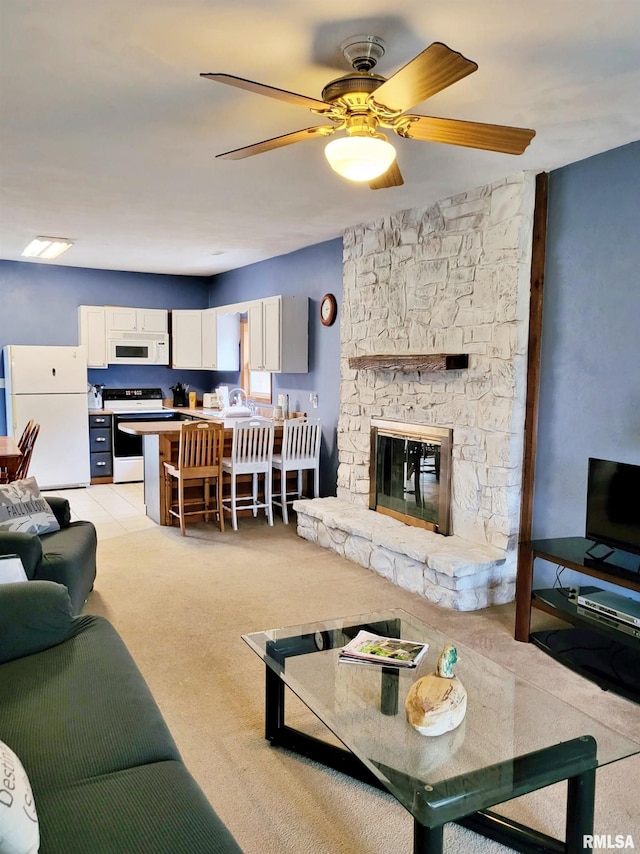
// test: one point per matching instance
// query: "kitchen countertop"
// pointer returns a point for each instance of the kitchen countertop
(212, 414)
(150, 428)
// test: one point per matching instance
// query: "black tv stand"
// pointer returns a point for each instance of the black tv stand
(599, 652)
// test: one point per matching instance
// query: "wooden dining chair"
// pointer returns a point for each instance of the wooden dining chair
(198, 470)
(25, 434)
(26, 443)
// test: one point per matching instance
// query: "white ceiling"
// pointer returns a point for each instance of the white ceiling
(108, 134)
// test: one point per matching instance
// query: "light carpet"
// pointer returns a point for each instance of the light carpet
(182, 604)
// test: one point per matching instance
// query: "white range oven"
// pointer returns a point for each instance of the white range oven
(132, 404)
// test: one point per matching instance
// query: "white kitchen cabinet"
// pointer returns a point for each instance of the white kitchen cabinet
(256, 336)
(278, 334)
(92, 333)
(209, 349)
(205, 339)
(186, 338)
(220, 340)
(127, 319)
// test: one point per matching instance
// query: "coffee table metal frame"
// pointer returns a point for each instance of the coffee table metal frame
(464, 799)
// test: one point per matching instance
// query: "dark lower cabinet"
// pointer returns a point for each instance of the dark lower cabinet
(101, 447)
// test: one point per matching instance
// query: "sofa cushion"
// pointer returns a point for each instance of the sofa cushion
(69, 557)
(19, 832)
(23, 508)
(34, 615)
(94, 712)
(149, 809)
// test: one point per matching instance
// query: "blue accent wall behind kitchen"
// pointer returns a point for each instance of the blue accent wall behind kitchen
(39, 305)
(313, 272)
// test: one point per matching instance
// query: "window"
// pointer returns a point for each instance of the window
(256, 383)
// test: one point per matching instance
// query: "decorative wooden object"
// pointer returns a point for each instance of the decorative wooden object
(437, 703)
(408, 362)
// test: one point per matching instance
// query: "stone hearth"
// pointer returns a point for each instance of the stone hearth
(449, 571)
(452, 278)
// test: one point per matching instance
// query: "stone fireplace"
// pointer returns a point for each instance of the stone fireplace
(434, 325)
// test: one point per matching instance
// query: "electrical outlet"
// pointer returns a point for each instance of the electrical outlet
(313, 399)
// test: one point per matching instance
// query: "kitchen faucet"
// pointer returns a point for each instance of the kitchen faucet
(236, 395)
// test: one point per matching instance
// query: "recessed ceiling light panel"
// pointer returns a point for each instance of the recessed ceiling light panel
(47, 248)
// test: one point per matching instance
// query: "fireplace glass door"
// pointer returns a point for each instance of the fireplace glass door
(408, 477)
(412, 478)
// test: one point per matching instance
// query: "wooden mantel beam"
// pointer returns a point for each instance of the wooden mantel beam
(409, 362)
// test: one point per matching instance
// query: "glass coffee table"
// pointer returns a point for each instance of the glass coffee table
(515, 738)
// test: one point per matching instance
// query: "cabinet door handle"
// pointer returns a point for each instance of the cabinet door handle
(100, 420)
(101, 439)
(100, 464)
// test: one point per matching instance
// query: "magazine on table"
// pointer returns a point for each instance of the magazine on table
(367, 648)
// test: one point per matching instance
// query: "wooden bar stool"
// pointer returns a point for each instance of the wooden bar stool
(199, 459)
(251, 453)
(300, 452)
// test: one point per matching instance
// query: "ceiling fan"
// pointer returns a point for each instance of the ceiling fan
(361, 102)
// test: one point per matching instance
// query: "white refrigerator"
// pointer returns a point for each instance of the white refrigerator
(49, 385)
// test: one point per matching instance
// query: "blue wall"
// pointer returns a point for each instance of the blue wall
(39, 305)
(39, 302)
(313, 271)
(590, 366)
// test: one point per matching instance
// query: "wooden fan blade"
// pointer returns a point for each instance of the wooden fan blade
(278, 142)
(503, 138)
(425, 75)
(269, 91)
(391, 178)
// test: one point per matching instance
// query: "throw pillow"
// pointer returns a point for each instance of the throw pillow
(23, 509)
(19, 832)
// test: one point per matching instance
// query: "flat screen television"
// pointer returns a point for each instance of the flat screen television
(613, 505)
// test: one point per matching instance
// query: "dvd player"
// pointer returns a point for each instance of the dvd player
(620, 608)
(611, 622)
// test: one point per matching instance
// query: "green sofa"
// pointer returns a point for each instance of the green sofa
(106, 775)
(67, 556)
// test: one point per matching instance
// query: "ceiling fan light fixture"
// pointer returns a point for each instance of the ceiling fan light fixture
(360, 158)
(363, 52)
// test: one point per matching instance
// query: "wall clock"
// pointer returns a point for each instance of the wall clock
(328, 309)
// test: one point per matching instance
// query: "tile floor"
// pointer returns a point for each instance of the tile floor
(114, 508)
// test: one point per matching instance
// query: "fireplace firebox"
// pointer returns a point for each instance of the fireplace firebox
(410, 474)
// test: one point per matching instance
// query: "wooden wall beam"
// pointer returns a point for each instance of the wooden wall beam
(524, 581)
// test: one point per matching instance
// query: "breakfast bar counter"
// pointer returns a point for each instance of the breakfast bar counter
(160, 440)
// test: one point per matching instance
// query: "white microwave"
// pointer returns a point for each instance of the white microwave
(138, 348)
